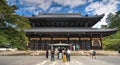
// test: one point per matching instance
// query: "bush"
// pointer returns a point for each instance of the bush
(113, 45)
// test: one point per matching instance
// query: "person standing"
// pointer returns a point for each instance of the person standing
(60, 53)
(77, 47)
(73, 47)
(47, 53)
(68, 55)
(52, 55)
(64, 57)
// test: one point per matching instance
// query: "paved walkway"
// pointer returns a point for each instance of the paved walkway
(75, 60)
(42, 53)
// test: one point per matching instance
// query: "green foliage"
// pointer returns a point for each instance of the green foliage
(114, 20)
(112, 42)
(12, 27)
(103, 26)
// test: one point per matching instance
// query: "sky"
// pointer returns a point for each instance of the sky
(90, 7)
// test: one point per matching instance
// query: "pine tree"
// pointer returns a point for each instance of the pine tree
(12, 27)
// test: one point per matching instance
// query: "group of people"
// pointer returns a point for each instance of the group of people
(63, 54)
(75, 47)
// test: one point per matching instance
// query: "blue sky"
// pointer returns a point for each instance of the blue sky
(90, 7)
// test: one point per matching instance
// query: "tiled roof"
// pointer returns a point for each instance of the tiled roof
(68, 29)
(63, 15)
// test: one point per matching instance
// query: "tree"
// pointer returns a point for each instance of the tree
(12, 26)
(104, 26)
(112, 42)
(114, 20)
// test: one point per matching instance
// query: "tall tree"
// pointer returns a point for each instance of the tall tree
(114, 20)
(12, 26)
(113, 41)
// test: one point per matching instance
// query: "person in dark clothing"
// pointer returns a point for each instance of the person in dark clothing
(47, 54)
(68, 55)
(60, 50)
(52, 55)
(60, 54)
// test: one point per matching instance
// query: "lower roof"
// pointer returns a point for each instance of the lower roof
(68, 29)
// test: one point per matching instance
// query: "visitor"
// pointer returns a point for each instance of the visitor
(77, 47)
(93, 53)
(60, 54)
(47, 53)
(68, 55)
(52, 55)
(64, 57)
(73, 47)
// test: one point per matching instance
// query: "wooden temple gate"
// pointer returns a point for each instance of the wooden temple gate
(42, 43)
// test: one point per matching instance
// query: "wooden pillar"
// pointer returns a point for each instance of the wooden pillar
(51, 42)
(91, 41)
(86, 24)
(28, 45)
(68, 40)
(40, 42)
(34, 44)
(51, 35)
(101, 40)
(80, 42)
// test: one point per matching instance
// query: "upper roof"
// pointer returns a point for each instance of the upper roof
(74, 20)
(64, 15)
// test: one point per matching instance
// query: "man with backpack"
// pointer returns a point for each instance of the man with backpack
(93, 53)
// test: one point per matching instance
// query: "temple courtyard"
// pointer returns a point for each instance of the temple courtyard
(75, 60)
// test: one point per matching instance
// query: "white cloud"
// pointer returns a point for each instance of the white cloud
(45, 4)
(98, 7)
(70, 11)
(71, 3)
(105, 6)
(55, 9)
(11, 2)
(90, 1)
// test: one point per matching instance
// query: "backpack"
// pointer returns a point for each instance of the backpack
(93, 52)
